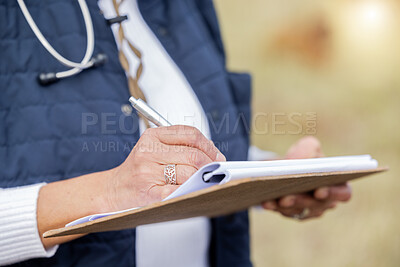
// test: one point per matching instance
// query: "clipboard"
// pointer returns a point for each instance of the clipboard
(217, 200)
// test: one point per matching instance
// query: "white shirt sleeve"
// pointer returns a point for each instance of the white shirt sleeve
(256, 153)
(19, 235)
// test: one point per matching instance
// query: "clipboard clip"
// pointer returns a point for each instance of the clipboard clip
(213, 178)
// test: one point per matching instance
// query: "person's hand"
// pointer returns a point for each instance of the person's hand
(313, 204)
(140, 179)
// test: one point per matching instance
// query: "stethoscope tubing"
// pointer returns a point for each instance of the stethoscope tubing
(76, 67)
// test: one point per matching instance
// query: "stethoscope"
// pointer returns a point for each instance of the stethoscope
(88, 61)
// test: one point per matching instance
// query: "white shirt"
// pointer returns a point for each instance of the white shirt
(167, 91)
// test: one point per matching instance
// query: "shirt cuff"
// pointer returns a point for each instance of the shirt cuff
(19, 235)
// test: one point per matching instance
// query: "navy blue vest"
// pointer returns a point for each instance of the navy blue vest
(43, 135)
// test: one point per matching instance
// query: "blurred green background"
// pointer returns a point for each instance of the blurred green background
(340, 60)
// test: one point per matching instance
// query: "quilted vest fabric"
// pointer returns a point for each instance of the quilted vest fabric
(44, 134)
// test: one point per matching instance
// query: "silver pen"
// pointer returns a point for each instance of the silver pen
(148, 112)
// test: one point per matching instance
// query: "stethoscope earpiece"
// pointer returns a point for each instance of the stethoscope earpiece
(52, 77)
(99, 59)
(47, 78)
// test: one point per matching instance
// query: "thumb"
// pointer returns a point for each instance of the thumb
(307, 147)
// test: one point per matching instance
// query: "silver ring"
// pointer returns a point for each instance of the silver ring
(170, 174)
(302, 215)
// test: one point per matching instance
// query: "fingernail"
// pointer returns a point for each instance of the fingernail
(288, 201)
(322, 193)
(220, 157)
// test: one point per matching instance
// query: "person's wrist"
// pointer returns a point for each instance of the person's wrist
(108, 197)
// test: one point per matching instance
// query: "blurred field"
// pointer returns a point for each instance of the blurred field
(340, 59)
